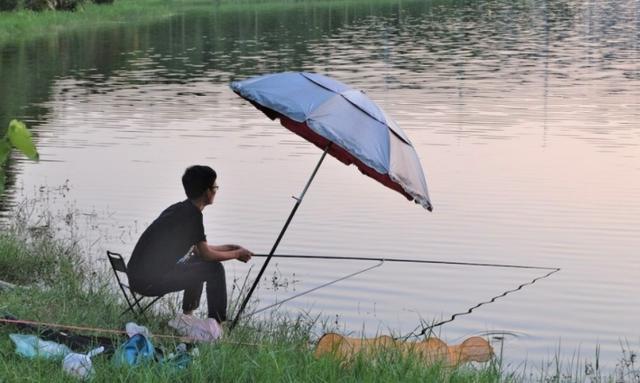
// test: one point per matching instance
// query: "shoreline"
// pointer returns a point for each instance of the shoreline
(58, 287)
(23, 25)
(52, 286)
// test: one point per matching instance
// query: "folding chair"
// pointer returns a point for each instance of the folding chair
(119, 266)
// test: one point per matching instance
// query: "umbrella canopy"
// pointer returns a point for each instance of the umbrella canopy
(332, 115)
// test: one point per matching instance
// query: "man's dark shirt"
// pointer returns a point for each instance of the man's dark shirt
(164, 242)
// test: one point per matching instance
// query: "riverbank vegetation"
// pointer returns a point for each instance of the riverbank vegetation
(41, 5)
(56, 284)
(57, 281)
(25, 24)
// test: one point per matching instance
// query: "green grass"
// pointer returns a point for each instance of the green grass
(57, 287)
(24, 25)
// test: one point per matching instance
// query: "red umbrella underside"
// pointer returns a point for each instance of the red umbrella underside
(303, 130)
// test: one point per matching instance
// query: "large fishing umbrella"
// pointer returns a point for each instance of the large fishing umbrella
(343, 122)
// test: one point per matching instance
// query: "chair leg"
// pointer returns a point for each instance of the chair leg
(132, 306)
(141, 311)
(136, 300)
(151, 303)
(126, 311)
(126, 297)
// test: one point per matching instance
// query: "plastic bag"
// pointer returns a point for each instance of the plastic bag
(134, 328)
(79, 365)
(181, 358)
(206, 330)
(31, 346)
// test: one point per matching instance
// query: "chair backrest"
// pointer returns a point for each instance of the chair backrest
(133, 298)
(118, 266)
(117, 262)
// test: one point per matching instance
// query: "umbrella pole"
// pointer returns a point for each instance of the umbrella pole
(275, 245)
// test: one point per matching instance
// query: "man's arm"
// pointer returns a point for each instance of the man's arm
(225, 247)
(223, 253)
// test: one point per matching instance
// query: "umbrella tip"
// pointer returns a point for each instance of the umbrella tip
(425, 204)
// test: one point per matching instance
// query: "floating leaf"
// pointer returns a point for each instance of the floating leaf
(5, 149)
(20, 138)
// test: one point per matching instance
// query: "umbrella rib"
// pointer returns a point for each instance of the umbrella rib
(359, 108)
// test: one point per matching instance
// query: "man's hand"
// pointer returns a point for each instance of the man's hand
(244, 255)
(223, 252)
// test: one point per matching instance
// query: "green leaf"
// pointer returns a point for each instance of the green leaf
(5, 149)
(20, 138)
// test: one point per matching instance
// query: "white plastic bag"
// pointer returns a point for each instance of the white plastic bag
(205, 330)
(134, 328)
(79, 365)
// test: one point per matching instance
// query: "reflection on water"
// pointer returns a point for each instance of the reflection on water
(525, 116)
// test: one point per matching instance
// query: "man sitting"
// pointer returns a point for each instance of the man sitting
(173, 254)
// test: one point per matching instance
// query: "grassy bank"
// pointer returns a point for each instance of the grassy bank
(57, 287)
(25, 25)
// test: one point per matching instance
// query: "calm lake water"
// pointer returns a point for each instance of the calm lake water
(526, 116)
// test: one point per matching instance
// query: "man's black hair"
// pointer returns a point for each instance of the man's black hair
(197, 179)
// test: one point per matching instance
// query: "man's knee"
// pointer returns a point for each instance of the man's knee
(216, 268)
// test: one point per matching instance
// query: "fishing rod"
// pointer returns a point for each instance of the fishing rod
(424, 329)
(409, 260)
